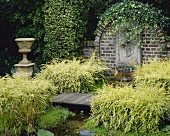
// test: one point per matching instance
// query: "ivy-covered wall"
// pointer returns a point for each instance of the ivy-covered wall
(141, 23)
(64, 29)
(105, 46)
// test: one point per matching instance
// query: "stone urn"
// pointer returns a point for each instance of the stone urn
(24, 66)
(24, 45)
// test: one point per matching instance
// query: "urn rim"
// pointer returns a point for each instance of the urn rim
(24, 39)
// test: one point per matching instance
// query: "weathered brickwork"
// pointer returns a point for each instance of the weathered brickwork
(105, 47)
(152, 48)
(107, 50)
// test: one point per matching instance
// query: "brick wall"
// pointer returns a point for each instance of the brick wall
(153, 49)
(105, 47)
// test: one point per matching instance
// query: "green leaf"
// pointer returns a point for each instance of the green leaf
(43, 132)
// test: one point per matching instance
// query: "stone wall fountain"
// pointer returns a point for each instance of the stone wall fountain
(127, 56)
(24, 66)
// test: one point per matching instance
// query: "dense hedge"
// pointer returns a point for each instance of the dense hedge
(64, 29)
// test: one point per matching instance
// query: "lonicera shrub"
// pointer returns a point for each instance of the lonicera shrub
(153, 73)
(21, 101)
(74, 75)
(140, 109)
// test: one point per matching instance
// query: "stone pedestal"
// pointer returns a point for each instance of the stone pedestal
(24, 67)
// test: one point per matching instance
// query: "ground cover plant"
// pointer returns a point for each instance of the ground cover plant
(74, 75)
(101, 131)
(54, 117)
(21, 102)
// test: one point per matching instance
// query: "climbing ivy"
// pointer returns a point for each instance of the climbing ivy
(64, 29)
(133, 17)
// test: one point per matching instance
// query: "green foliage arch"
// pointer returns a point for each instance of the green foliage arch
(134, 17)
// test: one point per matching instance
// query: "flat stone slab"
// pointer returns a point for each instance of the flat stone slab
(25, 65)
(80, 99)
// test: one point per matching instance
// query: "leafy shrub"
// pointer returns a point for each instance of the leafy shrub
(74, 75)
(21, 101)
(64, 29)
(153, 73)
(54, 117)
(140, 109)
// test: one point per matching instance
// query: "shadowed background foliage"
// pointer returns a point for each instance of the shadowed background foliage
(58, 26)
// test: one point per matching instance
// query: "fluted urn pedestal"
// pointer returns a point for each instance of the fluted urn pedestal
(24, 67)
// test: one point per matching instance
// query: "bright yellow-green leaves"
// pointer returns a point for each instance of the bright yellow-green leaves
(154, 73)
(139, 109)
(74, 75)
(21, 101)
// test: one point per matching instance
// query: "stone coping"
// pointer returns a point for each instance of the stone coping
(24, 65)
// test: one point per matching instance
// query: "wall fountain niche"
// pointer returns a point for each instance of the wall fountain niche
(24, 67)
(128, 54)
(121, 57)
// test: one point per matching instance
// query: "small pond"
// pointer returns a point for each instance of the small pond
(73, 125)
